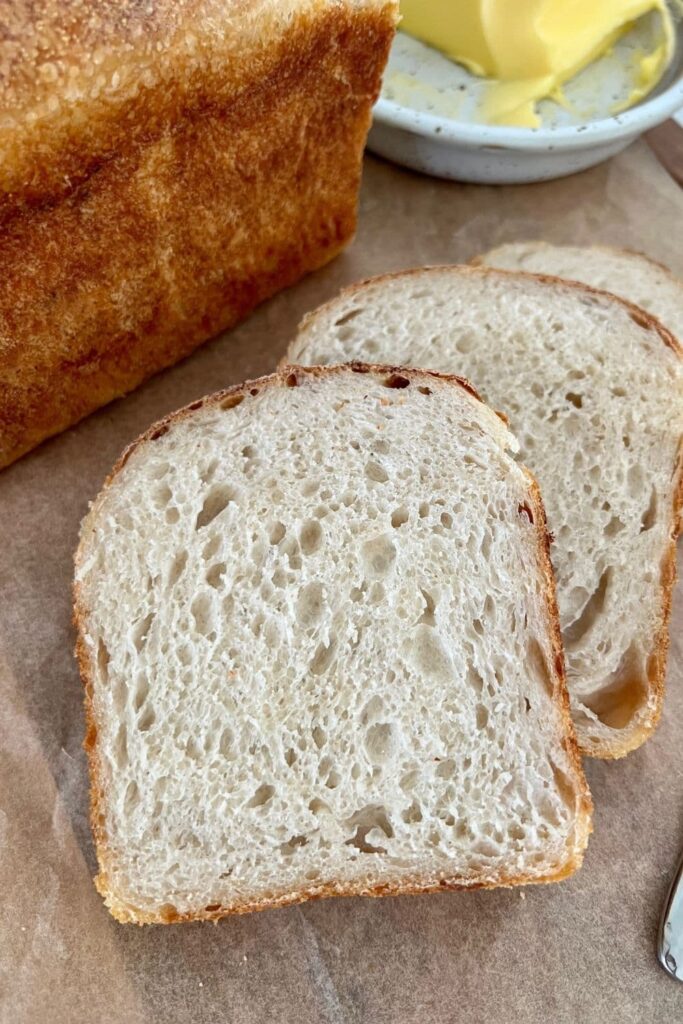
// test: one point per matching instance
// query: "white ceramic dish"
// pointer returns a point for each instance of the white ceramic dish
(424, 118)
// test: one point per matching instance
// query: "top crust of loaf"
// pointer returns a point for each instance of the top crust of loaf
(646, 716)
(391, 376)
(81, 79)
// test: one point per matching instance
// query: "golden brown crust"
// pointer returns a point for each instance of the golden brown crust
(178, 235)
(645, 721)
(82, 80)
(227, 398)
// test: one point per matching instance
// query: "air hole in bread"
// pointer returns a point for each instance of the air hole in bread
(427, 616)
(322, 659)
(141, 630)
(319, 736)
(635, 480)
(262, 796)
(614, 527)
(575, 399)
(162, 496)
(396, 380)
(310, 537)
(380, 742)
(412, 814)
(379, 556)
(230, 401)
(159, 432)
(372, 710)
(292, 381)
(146, 719)
(474, 679)
(141, 691)
(371, 826)
(618, 700)
(650, 514)
(202, 613)
(466, 342)
(318, 806)
(276, 533)
(292, 845)
(218, 499)
(310, 604)
(376, 472)
(131, 798)
(347, 317)
(103, 661)
(225, 745)
(446, 520)
(425, 650)
(446, 769)
(574, 633)
(121, 747)
(399, 516)
(538, 666)
(424, 390)
(481, 717)
(214, 576)
(333, 779)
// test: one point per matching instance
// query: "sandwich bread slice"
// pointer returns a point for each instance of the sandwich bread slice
(592, 387)
(318, 633)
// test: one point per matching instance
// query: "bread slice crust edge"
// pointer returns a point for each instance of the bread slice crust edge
(648, 715)
(123, 910)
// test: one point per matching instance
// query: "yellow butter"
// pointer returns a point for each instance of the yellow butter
(530, 48)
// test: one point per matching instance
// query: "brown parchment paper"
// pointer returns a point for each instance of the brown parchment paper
(581, 951)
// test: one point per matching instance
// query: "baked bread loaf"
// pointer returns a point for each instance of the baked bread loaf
(163, 168)
(318, 633)
(593, 390)
(630, 275)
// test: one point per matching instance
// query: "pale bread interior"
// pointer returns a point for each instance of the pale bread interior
(630, 275)
(318, 626)
(592, 388)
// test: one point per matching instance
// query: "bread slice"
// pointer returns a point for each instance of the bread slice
(592, 387)
(319, 638)
(630, 275)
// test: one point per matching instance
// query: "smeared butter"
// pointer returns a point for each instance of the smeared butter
(530, 48)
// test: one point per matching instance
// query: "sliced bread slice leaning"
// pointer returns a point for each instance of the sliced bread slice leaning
(593, 389)
(319, 639)
(628, 274)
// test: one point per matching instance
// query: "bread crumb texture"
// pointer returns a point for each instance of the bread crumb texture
(318, 634)
(593, 389)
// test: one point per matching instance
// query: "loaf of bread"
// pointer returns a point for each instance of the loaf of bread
(163, 168)
(318, 632)
(593, 387)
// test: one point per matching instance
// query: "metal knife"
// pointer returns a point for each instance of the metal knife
(670, 944)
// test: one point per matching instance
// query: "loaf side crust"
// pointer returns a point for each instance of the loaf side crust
(125, 912)
(177, 237)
